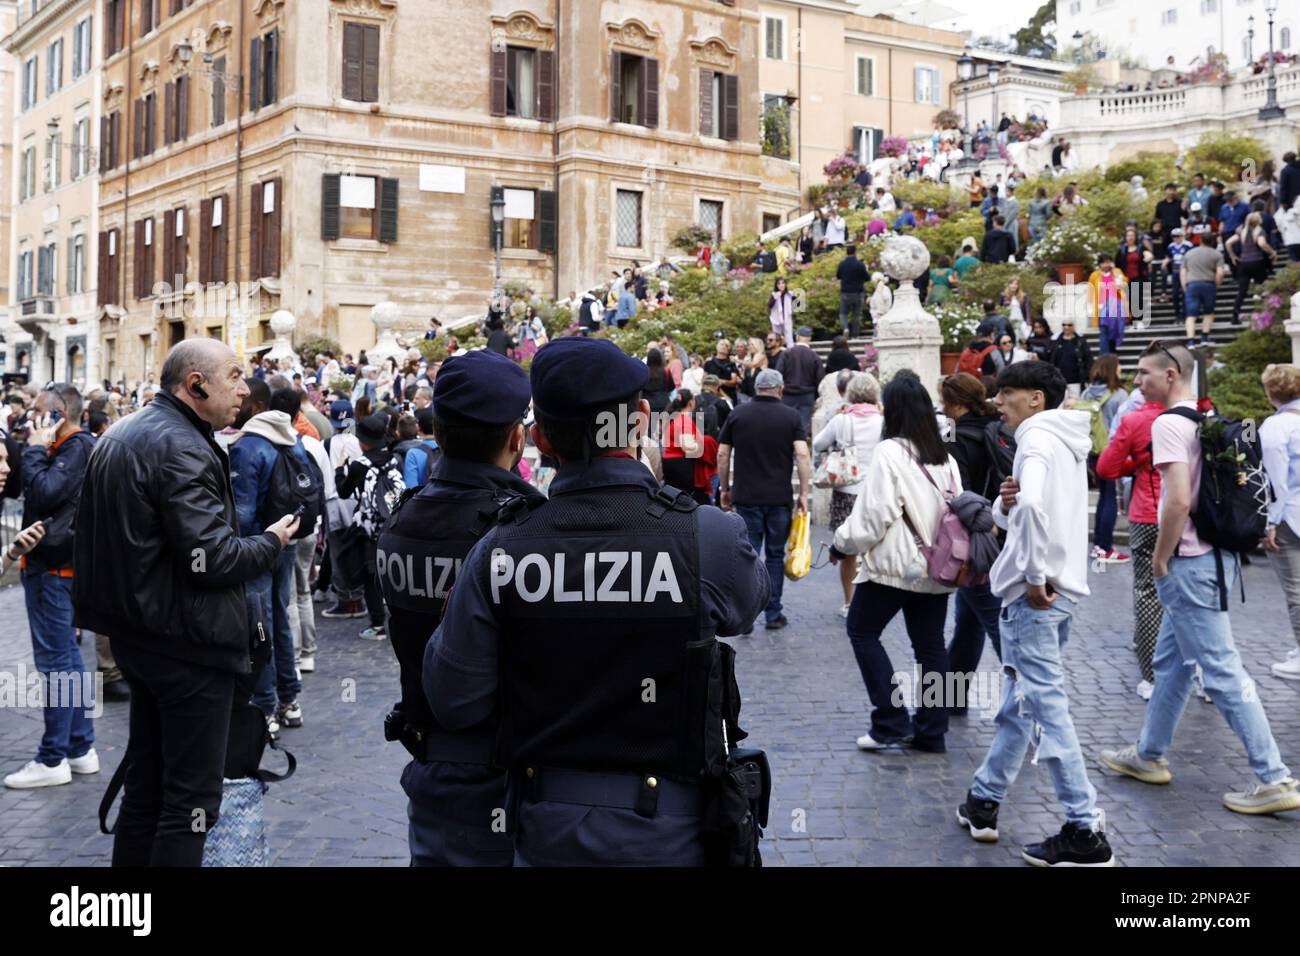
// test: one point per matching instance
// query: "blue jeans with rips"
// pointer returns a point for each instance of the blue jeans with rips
(1035, 707)
(1194, 631)
(67, 685)
(769, 527)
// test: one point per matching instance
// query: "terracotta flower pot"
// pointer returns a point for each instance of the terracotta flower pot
(948, 362)
(1072, 271)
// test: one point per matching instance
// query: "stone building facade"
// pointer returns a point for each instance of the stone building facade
(52, 188)
(322, 156)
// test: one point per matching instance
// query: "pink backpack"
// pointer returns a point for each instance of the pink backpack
(948, 559)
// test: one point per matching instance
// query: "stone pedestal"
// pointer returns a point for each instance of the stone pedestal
(908, 336)
(282, 324)
(385, 315)
(1069, 300)
(1293, 329)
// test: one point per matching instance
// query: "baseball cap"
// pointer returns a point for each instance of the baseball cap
(768, 378)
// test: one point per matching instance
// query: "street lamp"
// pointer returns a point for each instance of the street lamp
(994, 72)
(498, 227)
(1270, 109)
(965, 70)
(1250, 39)
(1078, 47)
(52, 130)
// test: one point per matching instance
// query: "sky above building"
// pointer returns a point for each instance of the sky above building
(981, 17)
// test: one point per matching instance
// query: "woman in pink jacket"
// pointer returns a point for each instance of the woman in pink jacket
(1129, 453)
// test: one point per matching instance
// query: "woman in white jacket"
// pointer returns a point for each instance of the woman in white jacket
(858, 425)
(901, 502)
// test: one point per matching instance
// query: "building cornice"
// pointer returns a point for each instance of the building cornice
(30, 28)
(919, 46)
(830, 6)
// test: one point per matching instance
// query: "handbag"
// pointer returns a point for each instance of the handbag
(239, 836)
(840, 467)
(798, 547)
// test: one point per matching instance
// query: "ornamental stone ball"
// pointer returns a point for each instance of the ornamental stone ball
(385, 315)
(904, 258)
(282, 322)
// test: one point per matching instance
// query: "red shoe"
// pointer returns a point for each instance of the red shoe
(1114, 557)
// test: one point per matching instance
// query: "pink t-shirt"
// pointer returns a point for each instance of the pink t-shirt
(1174, 438)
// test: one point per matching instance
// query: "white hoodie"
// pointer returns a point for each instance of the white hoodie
(1047, 530)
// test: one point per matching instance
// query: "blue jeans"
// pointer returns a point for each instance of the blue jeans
(975, 614)
(1037, 230)
(1195, 631)
(1103, 535)
(803, 404)
(1034, 705)
(278, 679)
(69, 696)
(769, 527)
(874, 605)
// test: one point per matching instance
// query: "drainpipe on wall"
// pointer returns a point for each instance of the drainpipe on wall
(126, 181)
(240, 92)
(799, 92)
(555, 150)
(889, 68)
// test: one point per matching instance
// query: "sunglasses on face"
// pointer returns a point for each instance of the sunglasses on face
(1161, 347)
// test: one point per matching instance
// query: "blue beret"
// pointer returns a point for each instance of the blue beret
(573, 374)
(481, 386)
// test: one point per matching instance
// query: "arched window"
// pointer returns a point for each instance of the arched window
(1285, 39)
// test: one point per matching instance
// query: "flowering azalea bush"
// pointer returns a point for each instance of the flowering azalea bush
(947, 119)
(894, 146)
(842, 167)
(1273, 304)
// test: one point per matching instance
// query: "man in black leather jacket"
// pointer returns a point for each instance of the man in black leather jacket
(160, 568)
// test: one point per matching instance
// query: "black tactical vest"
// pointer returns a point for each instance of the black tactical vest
(417, 557)
(606, 662)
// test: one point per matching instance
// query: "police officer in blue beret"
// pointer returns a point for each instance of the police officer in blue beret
(457, 799)
(589, 625)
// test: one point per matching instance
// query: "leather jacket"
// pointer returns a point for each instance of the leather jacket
(159, 562)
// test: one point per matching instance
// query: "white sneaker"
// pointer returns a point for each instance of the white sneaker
(1126, 761)
(868, 742)
(36, 774)
(86, 763)
(1265, 797)
(307, 665)
(1144, 689)
(1289, 669)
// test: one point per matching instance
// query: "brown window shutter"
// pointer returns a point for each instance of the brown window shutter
(329, 206)
(730, 106)
(183, 248)
(146, 19)
(115, 138)
(615, 86)
(706, 102)
(169, 114)
(137, 260)
(105, 142)
(271, 243)
(205, 241)
(255, 232)
(137, 144)
(150, 256)
(546, 86)
(101, 271)
(352, 52)
(114, 272)
(650, 92)
(169, 244)
(221, 242)
(183, 107)
(370, 64)
(388, 210)
(219, 91)
(546, 220)
(499, 82)
(254, 73)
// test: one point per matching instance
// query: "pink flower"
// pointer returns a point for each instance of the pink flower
(1274, 301)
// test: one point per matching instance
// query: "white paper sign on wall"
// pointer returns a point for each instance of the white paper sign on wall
(442, 179)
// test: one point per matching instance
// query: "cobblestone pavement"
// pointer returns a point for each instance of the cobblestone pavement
(804, 703)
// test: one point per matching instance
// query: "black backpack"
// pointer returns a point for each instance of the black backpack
(1232, 504)
(293, 483)
(1000, 443)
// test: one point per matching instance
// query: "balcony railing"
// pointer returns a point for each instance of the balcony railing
(38, 306)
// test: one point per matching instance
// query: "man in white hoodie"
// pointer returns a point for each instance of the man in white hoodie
(1040, 576)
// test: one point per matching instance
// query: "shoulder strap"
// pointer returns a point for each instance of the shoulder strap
(667, 498)
(1187, 413)
(110, 794)
(269, 776)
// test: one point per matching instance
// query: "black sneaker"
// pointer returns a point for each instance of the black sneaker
(980, 817)
(1073, 846)
(777, 623)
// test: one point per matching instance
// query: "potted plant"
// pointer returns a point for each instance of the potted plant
(1071, 248)
(957, 323)
(947, 119)
(1080, 79)
(894, 146)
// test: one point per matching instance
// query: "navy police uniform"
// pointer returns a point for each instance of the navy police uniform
(456, 797)
(588, 626)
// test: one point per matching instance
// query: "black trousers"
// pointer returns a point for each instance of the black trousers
(176, 752)
(374, 597)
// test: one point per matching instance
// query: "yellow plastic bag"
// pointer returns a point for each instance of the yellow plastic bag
(798, 548)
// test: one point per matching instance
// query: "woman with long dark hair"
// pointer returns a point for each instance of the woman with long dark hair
(780, 310)
(659, 384)
(898, 512)
(975, 608)
(684, 448)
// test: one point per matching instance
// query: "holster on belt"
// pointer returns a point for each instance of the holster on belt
(737, 810)
(432, 744)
